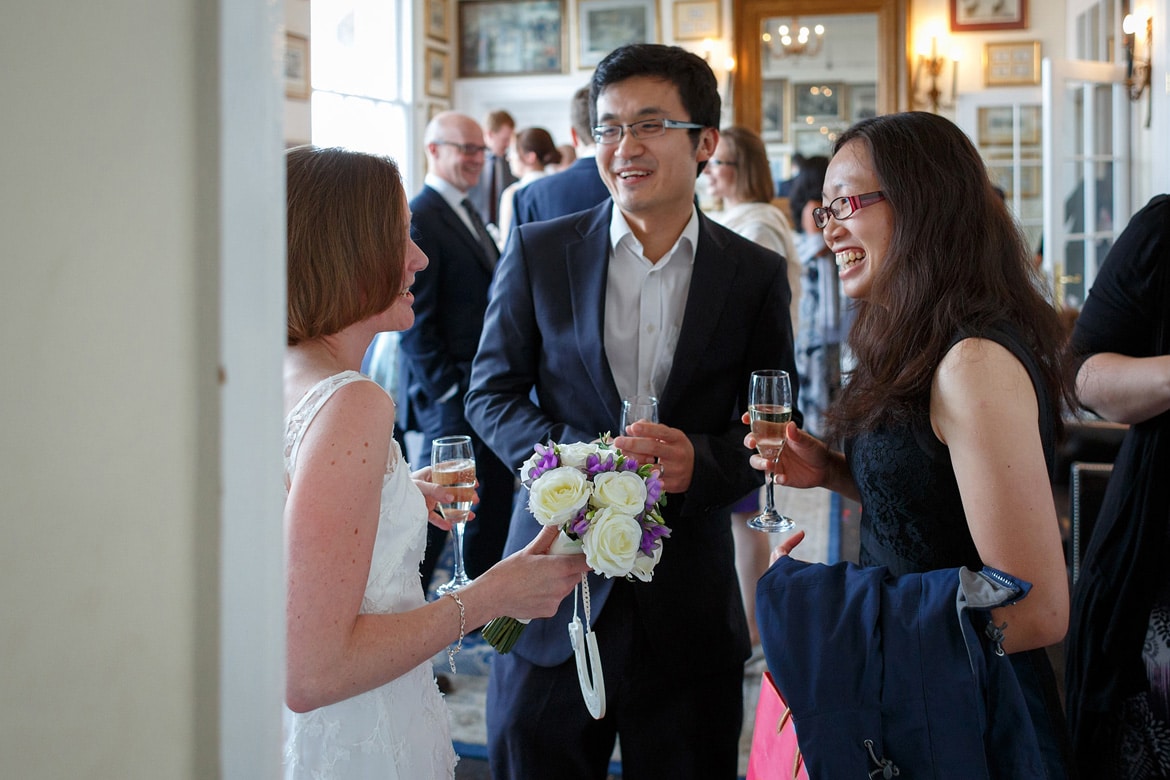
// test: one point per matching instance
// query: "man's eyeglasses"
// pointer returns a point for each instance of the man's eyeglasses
(647, 128)
(468, 149)
(844, 206)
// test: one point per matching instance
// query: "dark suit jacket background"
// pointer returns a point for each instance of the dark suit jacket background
(545, 332)
(450, 300)
(435, 354)
(481, 194)
(574, 189)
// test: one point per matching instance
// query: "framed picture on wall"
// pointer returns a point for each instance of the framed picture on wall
(774, 109)
(862, 101)
(996, 126)
(438, 73)
(1011, 64)
(822, 101)
(511, 37)
(695, 20)
(976, 15)
(437, 21)
(296, 67)
(811, 142)
(604, 25)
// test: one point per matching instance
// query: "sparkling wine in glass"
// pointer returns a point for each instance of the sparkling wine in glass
(770, 409)
(453, 467)
(638, 408)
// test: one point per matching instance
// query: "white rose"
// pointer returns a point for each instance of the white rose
(557, 496)
(612, 543)
(644, 565)
(622, 491)
(575, 454)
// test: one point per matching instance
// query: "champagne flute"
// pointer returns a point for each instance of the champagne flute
(635, 408)
(770, 409)
(453, 467)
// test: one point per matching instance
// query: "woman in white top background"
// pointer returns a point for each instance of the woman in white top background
(740, 176)
(532, 152)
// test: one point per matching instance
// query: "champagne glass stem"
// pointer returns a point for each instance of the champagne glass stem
(460, 571)
(769, 500)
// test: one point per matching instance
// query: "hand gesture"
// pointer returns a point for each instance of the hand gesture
(434, 495)
(786, 547)
(532, 583)
(670, 447)
(804, 462)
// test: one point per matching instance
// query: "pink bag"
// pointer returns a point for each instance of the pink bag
(775, 754)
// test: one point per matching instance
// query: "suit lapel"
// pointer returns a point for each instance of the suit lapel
(458, 227)
(587, 281)
(708, 295)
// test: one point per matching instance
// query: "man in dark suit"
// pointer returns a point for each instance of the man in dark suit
(576, 188)
(498, 131)
(450, 298)
(640, 295)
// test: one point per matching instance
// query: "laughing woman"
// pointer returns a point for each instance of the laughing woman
(949, 420)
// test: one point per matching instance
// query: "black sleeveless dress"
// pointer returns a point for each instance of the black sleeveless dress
(913, 521)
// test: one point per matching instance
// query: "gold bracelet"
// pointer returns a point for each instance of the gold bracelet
(453, 650)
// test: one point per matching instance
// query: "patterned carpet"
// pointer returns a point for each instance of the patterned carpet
(810, 508)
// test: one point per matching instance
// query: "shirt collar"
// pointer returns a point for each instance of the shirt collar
(452, 194)
(619, 229)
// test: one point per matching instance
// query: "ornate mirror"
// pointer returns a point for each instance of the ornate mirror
(770, 104)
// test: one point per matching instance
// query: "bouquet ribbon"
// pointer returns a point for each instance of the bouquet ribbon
(587, 656)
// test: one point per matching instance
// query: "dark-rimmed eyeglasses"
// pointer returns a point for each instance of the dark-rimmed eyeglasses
(468, 149)
(647, 128)
(722, 163)
(844, 206)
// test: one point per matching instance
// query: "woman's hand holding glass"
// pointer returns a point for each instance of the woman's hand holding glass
(805, 461)
(435, 495)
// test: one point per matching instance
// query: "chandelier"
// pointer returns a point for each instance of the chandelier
(795, 40)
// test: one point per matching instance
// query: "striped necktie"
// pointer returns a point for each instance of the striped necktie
(485, 239)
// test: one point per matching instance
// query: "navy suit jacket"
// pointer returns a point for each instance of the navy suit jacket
(450, 297)
(541, 374)
(574, 189)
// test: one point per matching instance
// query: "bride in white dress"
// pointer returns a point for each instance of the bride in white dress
(361, 700)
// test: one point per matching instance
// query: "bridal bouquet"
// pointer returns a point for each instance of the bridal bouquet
(605, 504)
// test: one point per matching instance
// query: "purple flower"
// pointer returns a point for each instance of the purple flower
(580, 524)
(651, 532)
(594, 465)
(548, 460)
(653, 489)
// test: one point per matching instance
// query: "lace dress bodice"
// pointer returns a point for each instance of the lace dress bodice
(399, 730)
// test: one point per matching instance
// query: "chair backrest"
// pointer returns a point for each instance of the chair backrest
(1087, 482)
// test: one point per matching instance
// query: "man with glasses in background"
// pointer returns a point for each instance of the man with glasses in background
(450, 298)
(640, 295)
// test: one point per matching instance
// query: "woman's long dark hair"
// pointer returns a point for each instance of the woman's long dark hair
(957, 263)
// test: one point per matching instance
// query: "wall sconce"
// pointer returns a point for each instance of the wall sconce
(1137, 67)
(930, 67)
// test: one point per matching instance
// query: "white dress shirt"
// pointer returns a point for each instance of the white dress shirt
(644, 305)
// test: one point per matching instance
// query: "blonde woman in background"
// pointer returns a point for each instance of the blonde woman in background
(739, 175)
(531, 153)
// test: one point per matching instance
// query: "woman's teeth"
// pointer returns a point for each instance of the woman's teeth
(849, 258)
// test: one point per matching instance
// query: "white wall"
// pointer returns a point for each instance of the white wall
(111, 522)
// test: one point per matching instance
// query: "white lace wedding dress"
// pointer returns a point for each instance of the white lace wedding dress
(399, 731)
